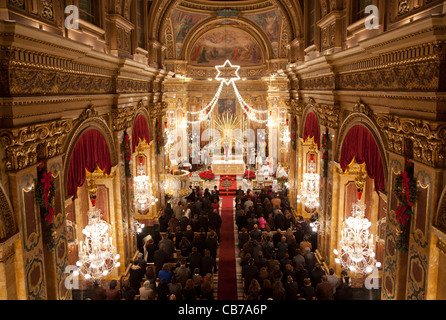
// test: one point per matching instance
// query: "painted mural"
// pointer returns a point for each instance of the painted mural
(218, 45)
(182, 23)
(269, 22)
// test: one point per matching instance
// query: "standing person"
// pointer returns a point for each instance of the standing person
(136, 275)
(145, 292)
(178, 210)
(333, 280)
(127, 292)
(324, 290)
(215, 206)
(98, 292)
(113, 292)
(150, 249)
(215, 223)
(160, 258)
(182, 273)
(194, 259)
(307, 291)
(249, 272)
(317, 274)
(211, 244)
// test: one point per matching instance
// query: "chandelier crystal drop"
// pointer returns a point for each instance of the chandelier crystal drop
(309, 189)
(97, 257)
(143, 196)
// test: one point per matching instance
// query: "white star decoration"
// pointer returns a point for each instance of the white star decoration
(227, 74)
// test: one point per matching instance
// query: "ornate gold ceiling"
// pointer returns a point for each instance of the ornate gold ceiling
(197, 35)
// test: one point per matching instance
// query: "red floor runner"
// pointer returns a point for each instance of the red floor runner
(227, 275)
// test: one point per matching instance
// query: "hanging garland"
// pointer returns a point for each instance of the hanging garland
(45, 197)
(126, 148)
(158, 133)
(405, 190)
(326, 145)
(293, 133)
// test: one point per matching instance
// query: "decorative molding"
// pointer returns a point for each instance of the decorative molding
(24, 146)
(428, 138)
(123, 118)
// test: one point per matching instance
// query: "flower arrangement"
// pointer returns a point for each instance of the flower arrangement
(282, 179)
(45, 197)
(207, 175)
(127, 154)
(405, 190)
(249, 175)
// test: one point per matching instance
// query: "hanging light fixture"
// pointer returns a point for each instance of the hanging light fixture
(285, 136)
(97, 257)
(143, 197)
(357, 247)
(309, 190)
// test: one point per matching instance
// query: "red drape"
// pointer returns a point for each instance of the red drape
(359, 144)
(140, 131)
(312, 130)
(90, 151)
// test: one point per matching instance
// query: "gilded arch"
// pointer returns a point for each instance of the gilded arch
(88, 120)
(363, 120)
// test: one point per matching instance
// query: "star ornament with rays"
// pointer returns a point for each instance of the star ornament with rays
(227, 73)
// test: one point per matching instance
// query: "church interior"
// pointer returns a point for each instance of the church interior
(223, 150)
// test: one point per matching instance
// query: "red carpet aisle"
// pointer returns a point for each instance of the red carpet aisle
(227, 278)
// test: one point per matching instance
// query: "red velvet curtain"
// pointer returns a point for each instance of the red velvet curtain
(312, 130)
(90, 151)
(360, 144)
(140, 131)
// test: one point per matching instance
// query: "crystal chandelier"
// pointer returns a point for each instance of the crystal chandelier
(97, 256)
(285, 136)
(309, 189)
(143, 196)
(357, 246)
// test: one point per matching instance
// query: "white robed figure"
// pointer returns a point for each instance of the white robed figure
(265, 170)
(259, 162)
(245, 185)
(275, 186)
(280, 173)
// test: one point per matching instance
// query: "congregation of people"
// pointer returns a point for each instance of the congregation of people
(277, 252)
(178, 261)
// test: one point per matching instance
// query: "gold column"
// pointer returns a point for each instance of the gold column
(8, 288)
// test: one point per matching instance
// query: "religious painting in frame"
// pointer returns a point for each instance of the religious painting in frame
(228, 43)
(226, 106)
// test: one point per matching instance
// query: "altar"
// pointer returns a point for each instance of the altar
(221, 166)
